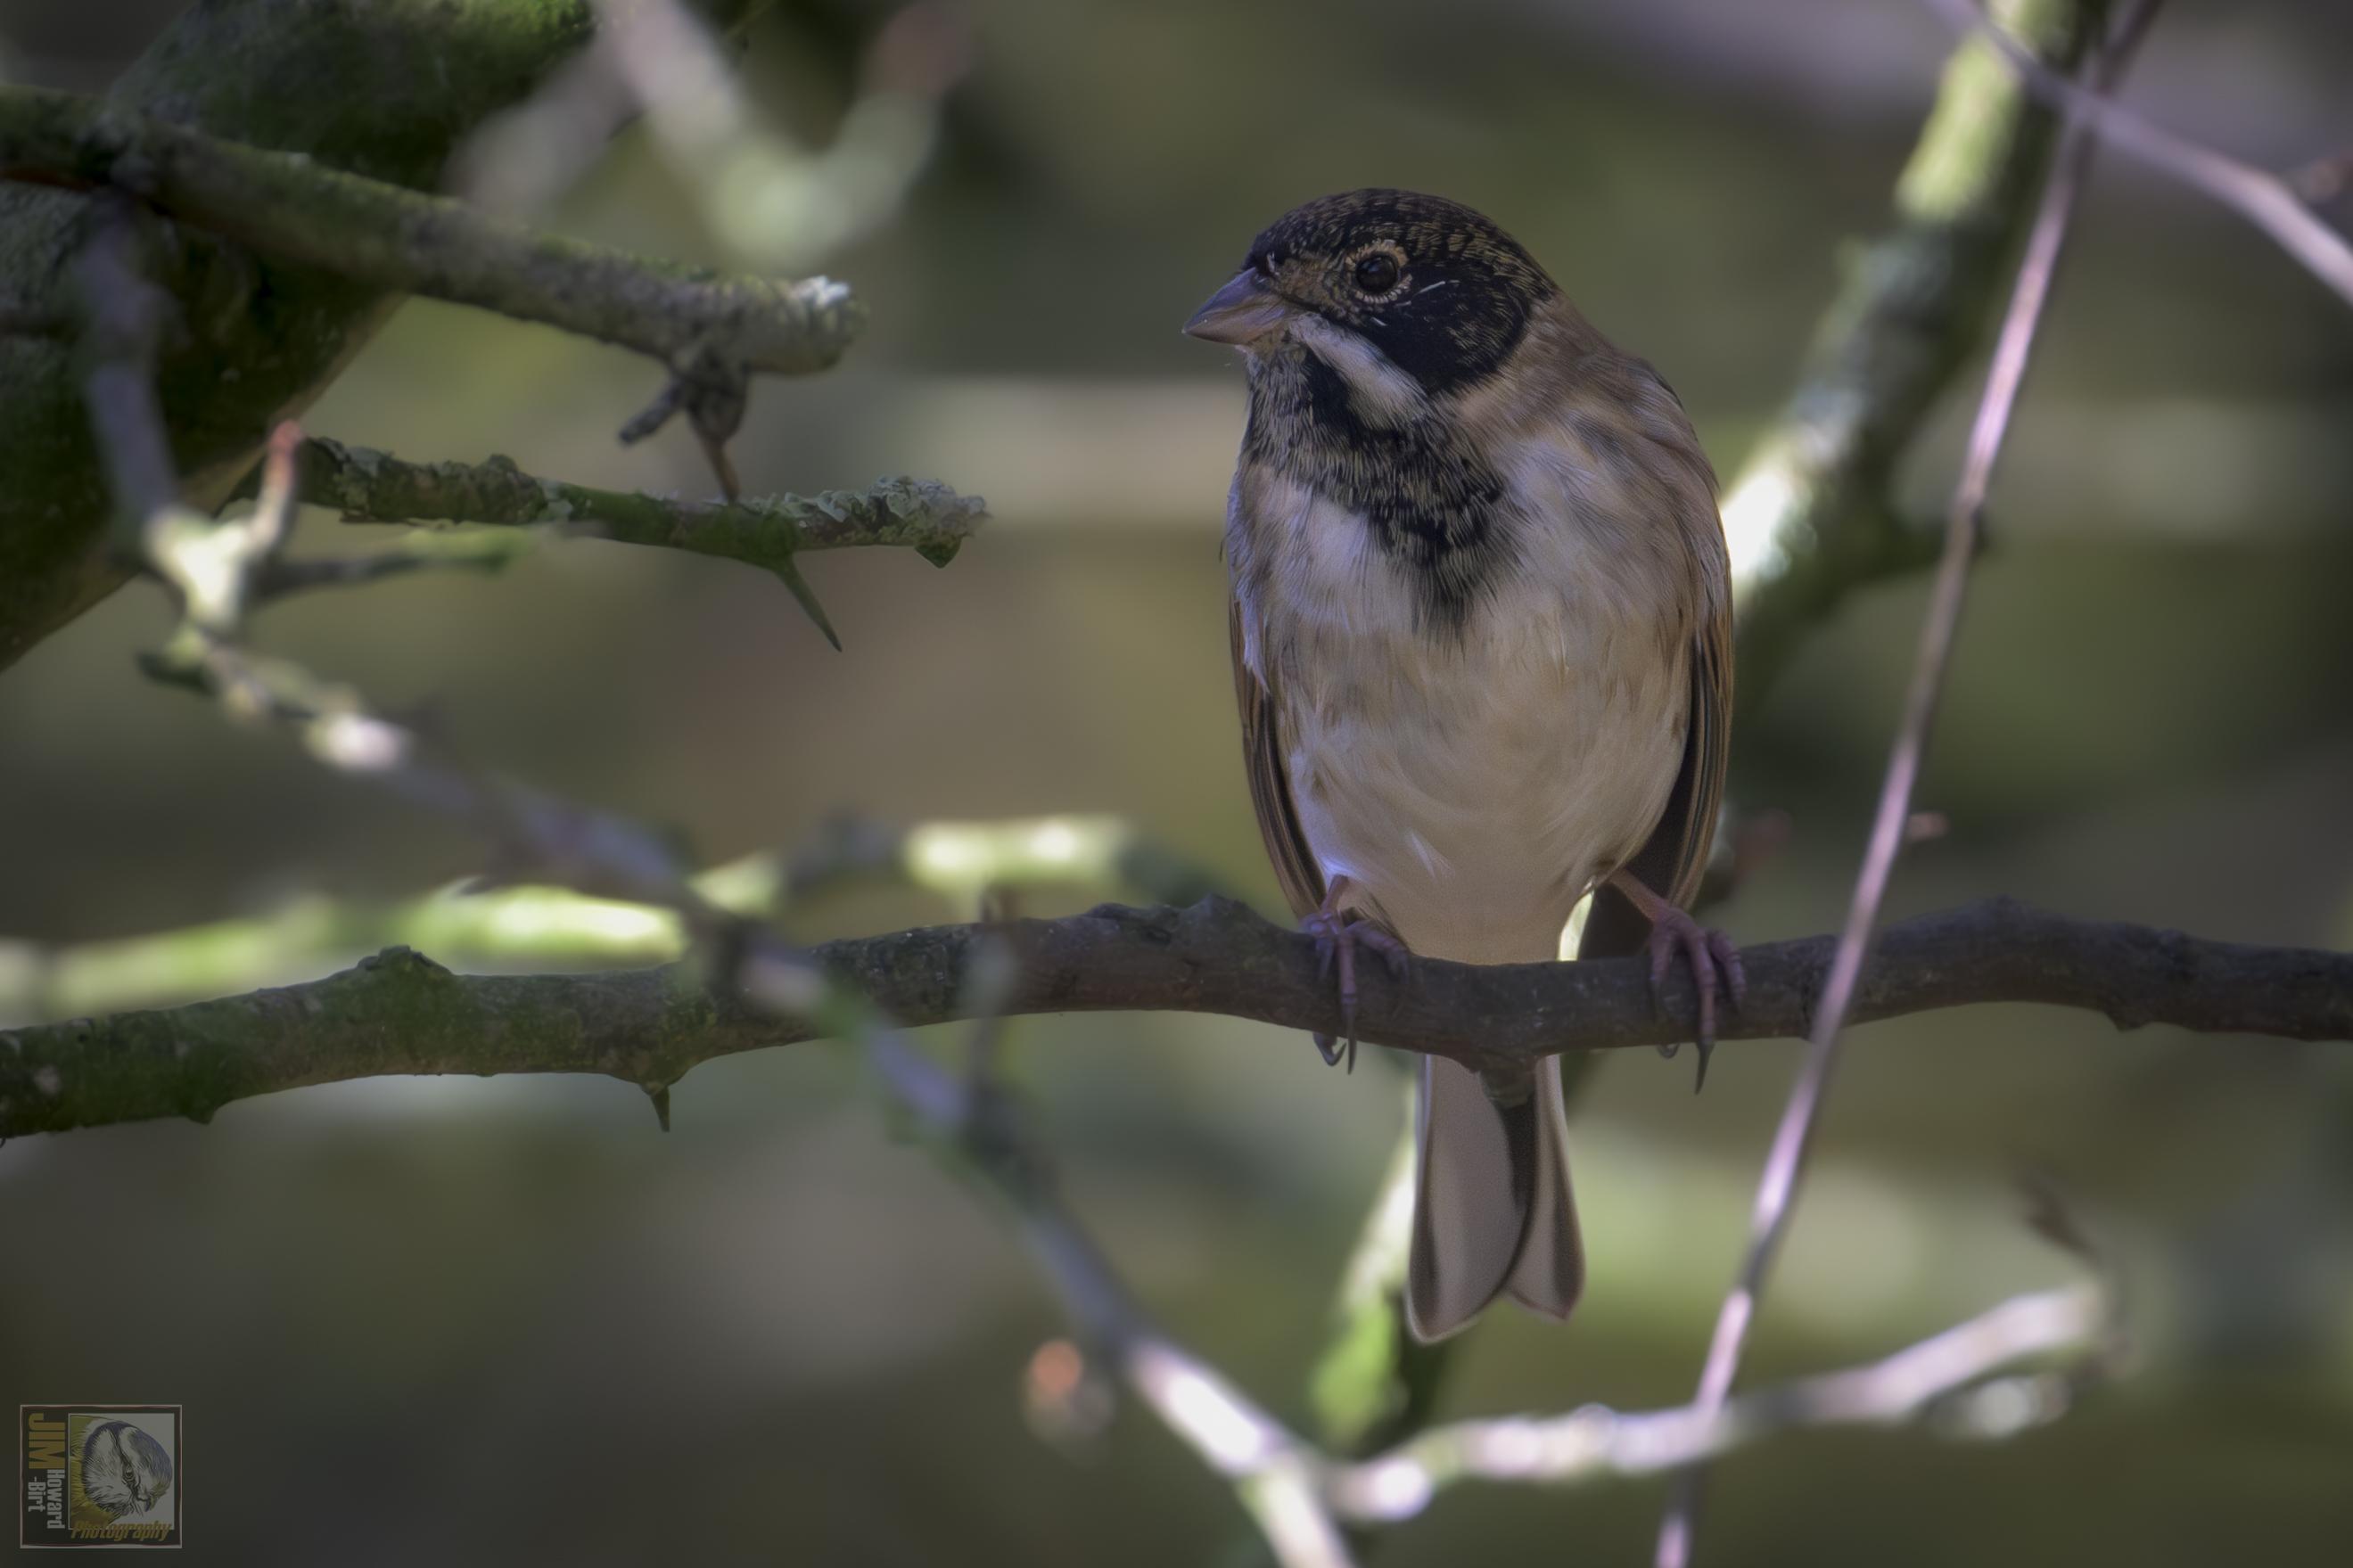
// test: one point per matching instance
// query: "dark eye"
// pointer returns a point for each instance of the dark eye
(1376, 273)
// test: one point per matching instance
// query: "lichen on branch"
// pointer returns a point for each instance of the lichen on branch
(368, 486)
(287, 206)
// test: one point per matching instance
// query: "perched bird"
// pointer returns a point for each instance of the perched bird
(1481, 642)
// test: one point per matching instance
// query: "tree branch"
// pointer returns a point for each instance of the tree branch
(402, 1014)
(767, 532)
(1809, 516)
(538, 926)
(286, 206)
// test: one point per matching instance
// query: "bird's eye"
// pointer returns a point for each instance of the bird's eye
(1376, 272)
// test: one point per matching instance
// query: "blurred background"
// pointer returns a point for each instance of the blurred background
(509, 1321)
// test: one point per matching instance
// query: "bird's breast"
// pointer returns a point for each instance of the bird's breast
(1472, 781)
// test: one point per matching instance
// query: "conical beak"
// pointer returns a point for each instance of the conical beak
(1244, 310)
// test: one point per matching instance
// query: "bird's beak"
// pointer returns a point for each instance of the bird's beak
(1244, 310)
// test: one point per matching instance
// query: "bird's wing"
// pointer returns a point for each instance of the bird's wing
(1673, 861)
(1270, 781)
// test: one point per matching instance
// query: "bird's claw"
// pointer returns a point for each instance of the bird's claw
(1714, 960)
(1337, 935)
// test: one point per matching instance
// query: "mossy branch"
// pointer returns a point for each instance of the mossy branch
(403, 1014)
(767, 532)
(1809, 515)
(287, 206)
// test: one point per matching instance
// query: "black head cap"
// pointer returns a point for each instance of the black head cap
(1438, 287)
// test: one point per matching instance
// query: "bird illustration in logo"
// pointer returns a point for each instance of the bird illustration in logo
(125, 1471)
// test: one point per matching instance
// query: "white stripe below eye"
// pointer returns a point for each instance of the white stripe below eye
(1380, 393)
(1428, 287)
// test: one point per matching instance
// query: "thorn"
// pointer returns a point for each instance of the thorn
(806, 596)
(723, 467)
(659, 1094)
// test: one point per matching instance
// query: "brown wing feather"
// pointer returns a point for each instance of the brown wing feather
(1269, 782)
(1674, 859)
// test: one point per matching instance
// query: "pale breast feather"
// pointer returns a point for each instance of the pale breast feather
(1471, 786)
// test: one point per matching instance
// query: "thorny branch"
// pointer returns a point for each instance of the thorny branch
(1785, 1162)
(1217, 957)
(368, 486)
(767, 532)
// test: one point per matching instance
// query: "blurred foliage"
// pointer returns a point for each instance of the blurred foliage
(482, 1315)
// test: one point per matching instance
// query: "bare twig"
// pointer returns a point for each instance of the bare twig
(1793, 1139)
(1945, 1372)
(779, 205)
(2264, 199)
(1275, 1475)
(1296, 1492)
(123, 319)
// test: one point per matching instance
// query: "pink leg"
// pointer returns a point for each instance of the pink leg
(1710, 952)
(1337, 934)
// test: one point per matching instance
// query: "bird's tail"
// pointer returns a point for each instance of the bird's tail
(1493, 1209)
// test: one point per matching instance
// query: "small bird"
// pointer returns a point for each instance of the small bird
(1480, 623)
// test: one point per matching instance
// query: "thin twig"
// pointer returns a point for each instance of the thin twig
(2264, 199)
(780, 206)
(1276, 1476)
(1599, 1444)
(1793, 1139)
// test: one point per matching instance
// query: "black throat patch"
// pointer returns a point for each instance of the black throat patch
(1435, 507)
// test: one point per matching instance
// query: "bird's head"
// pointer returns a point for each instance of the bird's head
(1399, 283)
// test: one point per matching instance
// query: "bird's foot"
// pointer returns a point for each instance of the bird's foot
(1714, 962)
(1338, 933)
